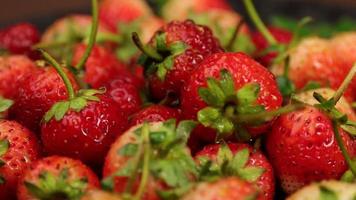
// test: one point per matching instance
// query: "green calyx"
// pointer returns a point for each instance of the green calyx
(159, 152)
(50, 186)
(4, 146)
(327, 194)
(75, 101)
(76, 104)
(5, 104)
(225, 102)
(227, 164)
(159, 58)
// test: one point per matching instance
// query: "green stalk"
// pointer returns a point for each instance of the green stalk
(147, 50)
(232, 40)
(92, 37)
(247, 118)
(51, 45)
(251, 10)
(62, 74)
(340, 91)
(343, 148)
(146, 163)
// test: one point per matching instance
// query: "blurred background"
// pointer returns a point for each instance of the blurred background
(43, 12)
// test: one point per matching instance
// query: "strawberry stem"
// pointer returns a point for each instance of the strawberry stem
(62, 74)
(232, 40)
(340, 91)
(147, 50)
(92, 37)
(251, 10)
(146, 161)
(247, 118)
(343, 148)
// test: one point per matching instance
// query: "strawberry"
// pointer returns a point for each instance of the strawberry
(342, 105)
(19, 38)
(245, 87)
(302, 148)
(56, 177)
(343, 47)
(71, 28)
(18, 149)
(331, 189)
(228, 26)
(314, 60)
(101, 67)
(166, 162)
(37, 92)
(282, 36)
(175, 50)
(182, 8)
(252, 165)
(231, 188)
(126, 94)
(99, 195)
(154, 113)
(112, 12)
(83, 125)
(85, 135)
(12, 69)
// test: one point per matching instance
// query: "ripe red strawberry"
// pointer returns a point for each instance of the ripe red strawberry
(12, 69)
(282, 36)
(56, 177)
(85, 135)
(101, 67)
(231, 188)
(182, 8)
(121, 161)
(112, 12)
(19, 38)
(253, 167)
(218, 102)
(302, 148)
(154, 113)
(178, 48)
(18, 149)
(37, 92)
(126, 94)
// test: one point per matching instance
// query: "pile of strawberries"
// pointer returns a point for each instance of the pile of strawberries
(189, 104)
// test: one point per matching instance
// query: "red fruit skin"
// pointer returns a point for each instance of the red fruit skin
(12, 69)
(112, 12)
(54, 164)
(37, 92)
(200, 44)
(154, 113)
(302, 149)
(101, 67)
(23, 150)
(230, 188)
(126, 95)
(282, 36)
(265, 183)
(85, 135)
(243, 70)
(19, 38)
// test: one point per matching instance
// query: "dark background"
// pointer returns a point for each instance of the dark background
(43, 12)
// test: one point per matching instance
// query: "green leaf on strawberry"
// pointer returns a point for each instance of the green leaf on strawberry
(225, 103)
(79, 102)
(228, 164)
(327, 194)
(169, 159)
(50, 186)
(5, 104)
